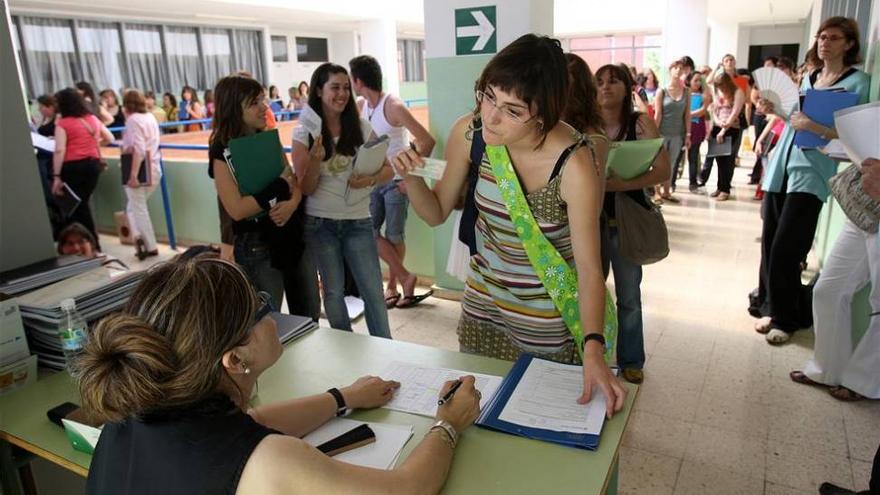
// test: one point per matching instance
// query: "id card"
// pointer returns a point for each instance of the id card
(433, 169)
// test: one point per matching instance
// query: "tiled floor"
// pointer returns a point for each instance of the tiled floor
(717, 413)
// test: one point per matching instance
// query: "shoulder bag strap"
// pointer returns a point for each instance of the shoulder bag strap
(555, 274)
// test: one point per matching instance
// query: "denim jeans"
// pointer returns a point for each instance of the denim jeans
(389, 206)
(252, 254)
(627, 286)
(332, 241)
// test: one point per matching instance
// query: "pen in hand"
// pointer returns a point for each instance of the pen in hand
(446, 398)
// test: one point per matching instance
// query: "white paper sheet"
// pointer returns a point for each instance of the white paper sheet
(433, 169)
(420, 386)
(381, 454)
(311, 121)
(43, 142)
(859, 131)
(546, 397)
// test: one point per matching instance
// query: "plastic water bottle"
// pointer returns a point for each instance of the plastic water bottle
(73, 331)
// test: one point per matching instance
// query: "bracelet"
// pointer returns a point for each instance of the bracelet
(448, 432)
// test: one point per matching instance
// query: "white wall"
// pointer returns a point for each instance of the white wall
(784, 34)
(608, 16)
(723, 39)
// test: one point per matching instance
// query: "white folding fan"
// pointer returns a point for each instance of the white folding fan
(776, 87)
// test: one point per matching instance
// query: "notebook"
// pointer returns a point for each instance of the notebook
(819, 106)
(538, 400)
(255, 161)
(125, 161)
(292, 327)
(630, 159)
(67, 201)
(369, 160)
(724, 148)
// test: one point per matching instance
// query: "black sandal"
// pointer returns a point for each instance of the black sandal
(410, 301)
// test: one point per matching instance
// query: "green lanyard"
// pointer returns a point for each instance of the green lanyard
(555, 274)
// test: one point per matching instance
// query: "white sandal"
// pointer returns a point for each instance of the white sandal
(762, 326)
(777, 336)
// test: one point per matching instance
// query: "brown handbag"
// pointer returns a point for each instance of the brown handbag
(642, 231)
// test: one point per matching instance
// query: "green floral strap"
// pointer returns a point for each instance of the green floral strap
(555, 274)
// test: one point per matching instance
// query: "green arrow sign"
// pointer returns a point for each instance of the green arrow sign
(475, 30)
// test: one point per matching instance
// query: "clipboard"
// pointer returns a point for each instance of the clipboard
(68, 201)
(369, 160)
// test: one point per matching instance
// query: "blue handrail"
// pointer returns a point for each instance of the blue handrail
(176, 123)
(418, 102)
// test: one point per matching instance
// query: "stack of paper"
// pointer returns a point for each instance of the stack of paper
(45, 272)
(857, 128)
(292, 327)
(97, 292)
(420, 386)
(381, 454)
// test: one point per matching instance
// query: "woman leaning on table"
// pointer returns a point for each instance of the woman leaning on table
(796, 185)
(507, 308)
(171, 377)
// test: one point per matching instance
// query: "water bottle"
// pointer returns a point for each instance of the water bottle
(73, 331)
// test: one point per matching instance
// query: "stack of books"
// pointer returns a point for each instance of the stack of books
(45, 272)
(97, 292)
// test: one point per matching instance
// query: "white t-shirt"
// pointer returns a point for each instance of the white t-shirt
(328, 200)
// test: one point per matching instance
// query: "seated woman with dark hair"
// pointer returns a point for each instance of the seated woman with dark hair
(76, 239)
(171, 377)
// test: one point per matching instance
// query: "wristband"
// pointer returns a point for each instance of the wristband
(448, 429)
(598, 337)
(341, 408)
(277, 190)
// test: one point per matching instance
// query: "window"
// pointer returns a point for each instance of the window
(101, 54)
(311, 49)
(279, 49)
(51, 54)
(217, 53)
(249, 53)
(146, 62)
(411, 60)
(182, 53)
(638, 50)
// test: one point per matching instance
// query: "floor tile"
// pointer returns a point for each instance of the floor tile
(646, 473)
(729, 451)
(739, 415)
(657, 434)
(861, 475)
(804, 468)
(700, 478)
(776, 489)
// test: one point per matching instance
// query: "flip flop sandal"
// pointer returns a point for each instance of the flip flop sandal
(798, 376)
(410, 301)
(844, 394)
(391, 301)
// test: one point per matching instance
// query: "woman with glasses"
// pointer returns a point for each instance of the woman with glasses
(264, 225)
(338, 227)
(796, 186)
(171, 378)
(508, 306)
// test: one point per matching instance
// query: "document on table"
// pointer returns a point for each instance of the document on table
(381, 454)
(546, 398)
(420, 386)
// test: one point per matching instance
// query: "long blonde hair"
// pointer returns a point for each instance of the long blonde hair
(164, 350)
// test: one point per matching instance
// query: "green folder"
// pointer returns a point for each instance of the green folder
(630, 159)
(255, 161)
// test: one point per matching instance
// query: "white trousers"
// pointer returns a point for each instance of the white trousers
(852, 264)
(139, 215)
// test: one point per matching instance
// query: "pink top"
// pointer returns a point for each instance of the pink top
(142, 135)
(723, 109)
(81, 143)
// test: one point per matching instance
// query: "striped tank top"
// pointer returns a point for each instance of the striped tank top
(502, 287)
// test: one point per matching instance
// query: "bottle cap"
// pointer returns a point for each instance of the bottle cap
(68, 304)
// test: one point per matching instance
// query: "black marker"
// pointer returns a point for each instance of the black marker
(446, 398)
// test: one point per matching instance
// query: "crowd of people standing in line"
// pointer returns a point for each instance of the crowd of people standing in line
(529, 159)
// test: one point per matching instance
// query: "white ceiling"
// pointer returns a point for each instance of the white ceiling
(571, 16)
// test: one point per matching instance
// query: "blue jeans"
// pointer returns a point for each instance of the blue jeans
(332, 241)
(252, 255)
(389, 206)
(627, 287)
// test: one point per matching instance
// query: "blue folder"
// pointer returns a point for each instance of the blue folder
(819, 106)
(489, 417)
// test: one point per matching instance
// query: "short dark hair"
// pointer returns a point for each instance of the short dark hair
(367, 70)
(47, 101)
(785, 63)
(535, 70)
(688, 62)
(87, 89)
(71, 104)
(75, 229)
(773, 59)
(229, 94)
(850, 29)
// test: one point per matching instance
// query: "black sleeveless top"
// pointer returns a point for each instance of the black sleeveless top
(201, 450)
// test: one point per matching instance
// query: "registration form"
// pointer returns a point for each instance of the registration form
(420, 386)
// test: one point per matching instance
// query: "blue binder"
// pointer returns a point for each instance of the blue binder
(489, 417)
(819, 105)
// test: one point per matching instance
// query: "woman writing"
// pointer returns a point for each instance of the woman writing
(673, 115)
(623, 124)
(507, 308)
(141, 140)
(171, 377)
(338, 228)
(77, 158)
(796, 185)
(259, 220)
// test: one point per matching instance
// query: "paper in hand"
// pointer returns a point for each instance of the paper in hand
(857, 127)
(433, 169)
(311, 121)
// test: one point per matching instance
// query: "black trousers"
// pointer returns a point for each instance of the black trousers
(790, 221)
(82, 177)
(726, 164)
(301, 288)
(874, 484)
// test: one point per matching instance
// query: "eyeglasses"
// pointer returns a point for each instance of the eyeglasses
(264, 308)
(508, 112)
(830, 37)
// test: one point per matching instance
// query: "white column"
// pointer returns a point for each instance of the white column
(723, 39)
(379, 39)
(686, 31)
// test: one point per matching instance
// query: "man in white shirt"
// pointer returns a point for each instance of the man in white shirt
(388, 204)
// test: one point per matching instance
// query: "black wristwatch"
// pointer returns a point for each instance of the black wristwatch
(598, 337)
(341, 408)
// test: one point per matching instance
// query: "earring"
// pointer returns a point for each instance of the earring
(247, 370)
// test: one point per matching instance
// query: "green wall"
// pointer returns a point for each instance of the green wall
(413, 90)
